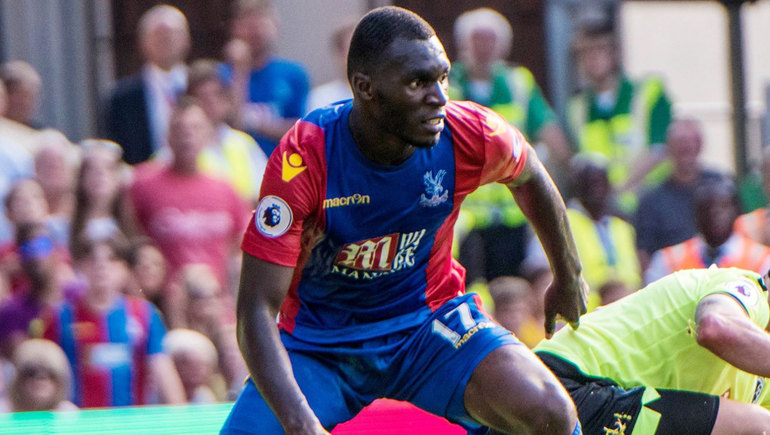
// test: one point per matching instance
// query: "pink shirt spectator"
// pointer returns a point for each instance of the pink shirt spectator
(193, 219)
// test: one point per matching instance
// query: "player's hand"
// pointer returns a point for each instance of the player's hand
(565, 301)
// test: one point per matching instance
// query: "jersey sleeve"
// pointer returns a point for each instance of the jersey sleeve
(505, 149)
(288, 198)
(481, 131)
(748, 292)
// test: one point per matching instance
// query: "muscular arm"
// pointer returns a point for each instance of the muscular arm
(541, 202)
(262, 289)
(724, 328)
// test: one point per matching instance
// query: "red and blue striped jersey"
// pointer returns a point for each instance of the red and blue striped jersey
(108, 351)
(372, 243)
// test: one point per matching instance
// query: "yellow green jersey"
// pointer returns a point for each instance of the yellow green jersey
(648, 338)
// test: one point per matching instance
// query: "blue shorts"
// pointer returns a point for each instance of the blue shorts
(428, 366)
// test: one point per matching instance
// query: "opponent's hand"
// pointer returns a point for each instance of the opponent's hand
(566, 301)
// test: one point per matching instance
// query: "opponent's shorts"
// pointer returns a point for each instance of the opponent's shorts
(605, 408)
(428, 366)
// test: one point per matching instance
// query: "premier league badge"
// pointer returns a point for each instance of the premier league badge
(273, 216)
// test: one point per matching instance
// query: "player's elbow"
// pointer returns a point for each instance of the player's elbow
(713, 332)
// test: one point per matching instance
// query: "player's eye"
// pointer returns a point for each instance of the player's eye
(414, 84)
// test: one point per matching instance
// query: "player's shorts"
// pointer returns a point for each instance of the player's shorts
(428, 366)
(605, 408)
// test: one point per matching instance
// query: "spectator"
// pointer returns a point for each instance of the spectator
(613, 290)
(233, 155)
(716, 207)
(514, 308)
(481, 74)
(195, 358)
(624, 119)
(15, 163)
(56, 163)
(21, 314)
(100, 210)
(605, 243)
(23, 84)
(337, 89)
(755, 224)
(210, 312)
(148, 267)
(497, 230)
(112, 341)
(26, 204)
(270, 92)
(42, 378)
(193, 218)
(139, 108)
(666, 214)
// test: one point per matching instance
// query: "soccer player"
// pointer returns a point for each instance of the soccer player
(671, 358)
(350, 247)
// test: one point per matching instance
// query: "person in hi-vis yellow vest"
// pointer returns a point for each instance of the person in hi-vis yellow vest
(495, 225)
(624, 119)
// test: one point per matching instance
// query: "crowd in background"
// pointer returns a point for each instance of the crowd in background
(119, 255)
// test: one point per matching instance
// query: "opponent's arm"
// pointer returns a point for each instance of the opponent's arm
(262, 289)
(724, 328)
(539, 199)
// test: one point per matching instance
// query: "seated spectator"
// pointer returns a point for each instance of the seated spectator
(605, 243)
(23, 84)
(514, 300)
(193, 218)
(148, 269)
(665, 216)
(232, 155)
(611, 291)
(196, 360)
(21, 314)
(716, 207)
(337, 89)
(112, 341)
(56, 162)
(210, 313)
(755, 224)
(100, 207)
(15, 163)
(26, 204)
(42, 378)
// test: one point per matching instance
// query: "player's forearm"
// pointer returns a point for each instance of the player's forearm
(269, 366)
(736, 340)
(541, 202)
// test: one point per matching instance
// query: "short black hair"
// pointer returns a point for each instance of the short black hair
(377, 30)
(721, 186)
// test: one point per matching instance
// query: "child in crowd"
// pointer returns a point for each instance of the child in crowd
(42, 378)
(113, 341)
(197, 362)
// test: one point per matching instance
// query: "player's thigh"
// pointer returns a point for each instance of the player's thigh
(739, 418)
(512, 384)
(327, 395)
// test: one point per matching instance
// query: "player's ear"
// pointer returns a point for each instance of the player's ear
(362, 85)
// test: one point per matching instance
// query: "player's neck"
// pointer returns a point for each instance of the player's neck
(379, 147)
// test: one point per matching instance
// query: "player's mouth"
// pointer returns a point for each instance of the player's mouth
(434, 124)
